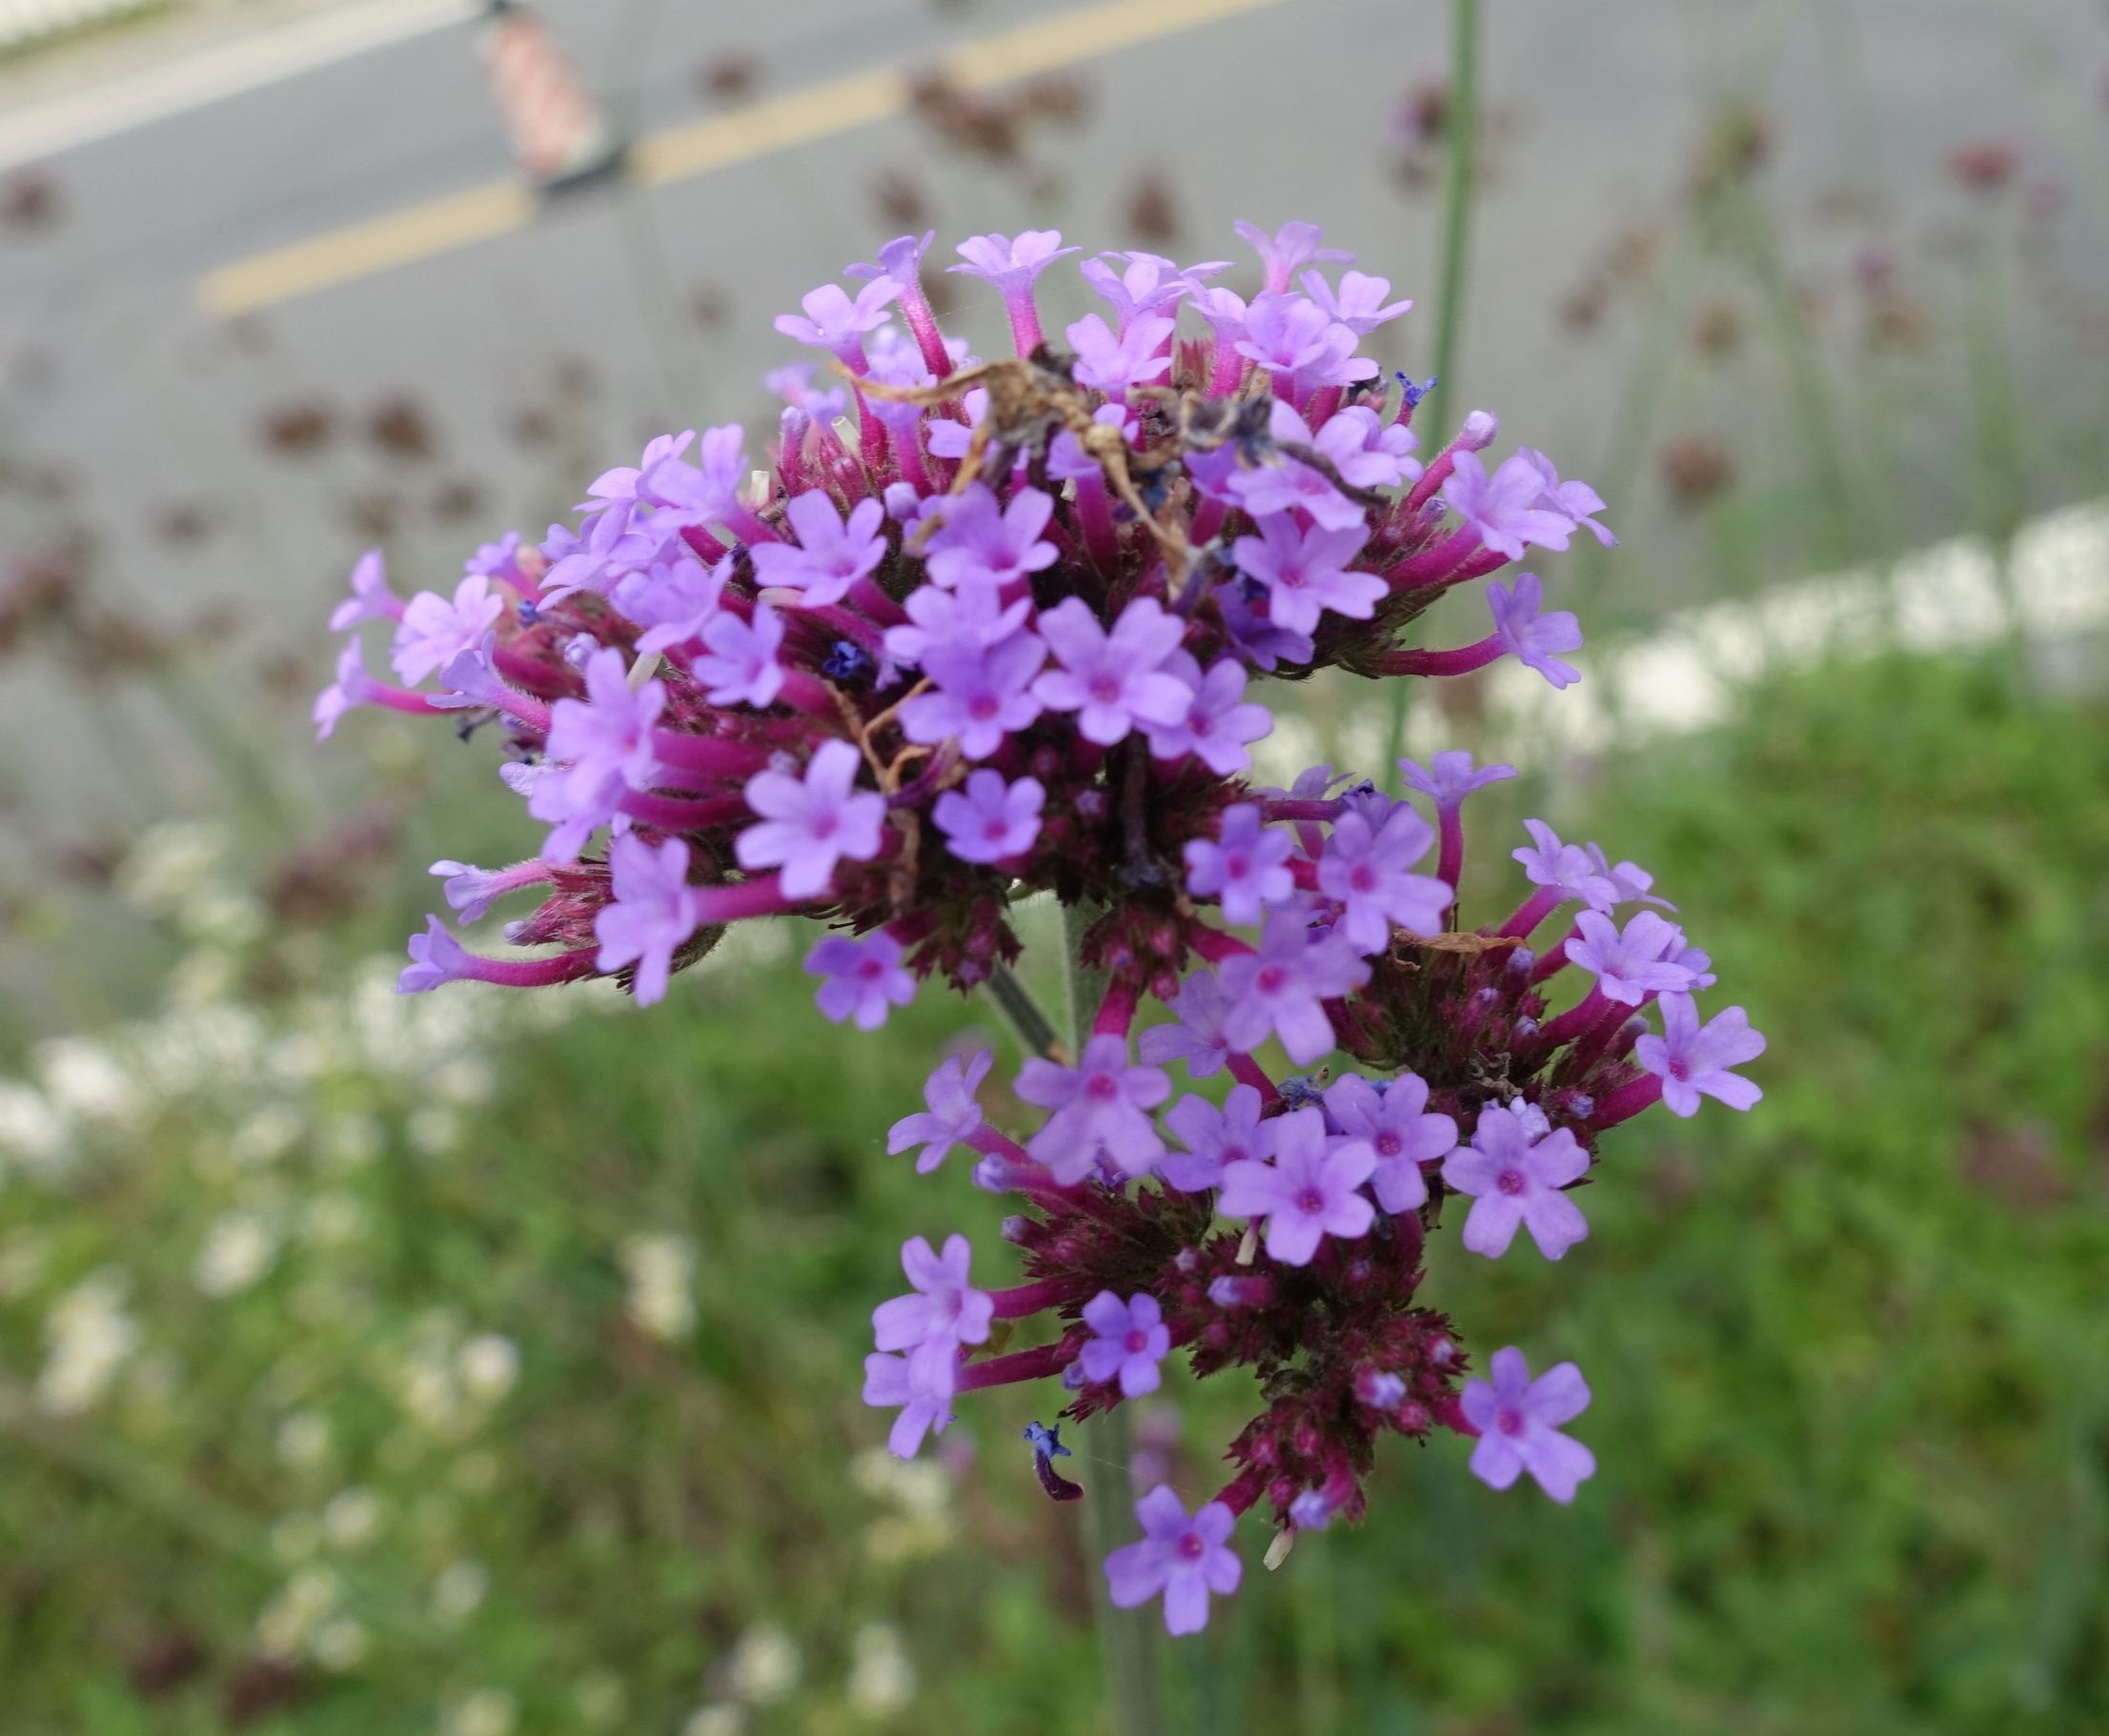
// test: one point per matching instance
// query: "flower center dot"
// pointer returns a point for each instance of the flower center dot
(1511, 1182)
(1310, 1202)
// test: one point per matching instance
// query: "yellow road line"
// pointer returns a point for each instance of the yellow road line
(421, 232)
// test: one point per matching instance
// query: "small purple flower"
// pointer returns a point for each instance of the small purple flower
(980, 694)
(1011, 264)
(1128, 1340)
(1451, 777)
(1184, 1559)
(1575, 501)
(1289, 250)
(1283, 987)
(1287, 483)
(1631, 965)
(810, 823)
(943, 1314)
(1114, 682)
(830, 556)
(1504, 508)
(597, 560)
(673, 600)
(1244, 868)
(1260, 642)
(1305, 572)
(599, 746)
(1219, 721)
(371, 598)
(862, 980)
(834, 322)
(1215, 1139)
(1566, 869)
(1518, 1420)
(471, 891)
(1692, 1059)
(1359, 304)
(1195, 1036)
(1515, 1175)
(982, 543)
(973, 615)
(435, 958)
(1100, 1108)
(1311, 1190)
(352, 688)
(435, 630)
(1297, 341)
(1630, 880)
(1529, 636)
(740, 665)
(1113, 363)
(990, 820)
(924, 1393)
(1366, 450)
(652, 914)
(1399, 1130)
(953, 1115)
(1368, 869)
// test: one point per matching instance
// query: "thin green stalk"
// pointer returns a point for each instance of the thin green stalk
(1024, 1015)
(1459, 136)
(1126, 1645)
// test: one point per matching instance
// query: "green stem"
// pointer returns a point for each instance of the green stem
(1027, 1020)
(1459, 135)
(1126, 1645)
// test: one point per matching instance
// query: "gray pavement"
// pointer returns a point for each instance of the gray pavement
(1598, 109)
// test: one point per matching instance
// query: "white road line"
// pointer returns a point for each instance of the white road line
(1691, 675)
(210, 75)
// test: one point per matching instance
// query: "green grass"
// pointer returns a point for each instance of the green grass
(1848, 1355)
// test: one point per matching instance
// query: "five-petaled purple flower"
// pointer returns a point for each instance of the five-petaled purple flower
(830, 556)
(1399, 1129)
(1128, 1340)
(922, 1391)
(861, 981)
(1311, 1190)
(944, 1314)
(1506, 507)
(1100, 1110)
(953, 1115)
(990, 820)
(1219, 721)
(1451, 776)
(1514, 1172)
(1195, 1034)
(1368, 869)
(1215, 1138)
(1184, 1559)
(1113, 680)
(1305, 572)
(1632, 965)
(652, 915)
(1244, 867)
(1692, 1059)
(1283, 987)
(1531, 636)
(980, 694)
(810, 823)
(982, 542)
(599, 747)
(1518, 1420)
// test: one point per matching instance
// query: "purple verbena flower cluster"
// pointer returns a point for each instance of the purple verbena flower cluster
(999, 636)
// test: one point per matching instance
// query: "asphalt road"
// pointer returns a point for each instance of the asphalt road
(586, 322)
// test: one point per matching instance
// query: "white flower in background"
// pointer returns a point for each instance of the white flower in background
(352, 1520)
(338, 1645)
(713, 1720)
(202, 977)
(296, 1538)
(433, 1130)
(266, 1135)
(303, 1439)
(920, 1493)
(765, 1666)
(463, 1082)
(239, 1249)
(174, 864)
(881, 1679)
(291, 1618)
(23, 1256)
(333, 1220)
(350, 1142)
(460, 1591)
(35, 1137)
(489, 1364)
(82, 1077)
(87, 1338)
(662, 1271)
(489, 1711)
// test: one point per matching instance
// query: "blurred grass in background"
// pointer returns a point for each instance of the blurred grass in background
(490, 1364)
